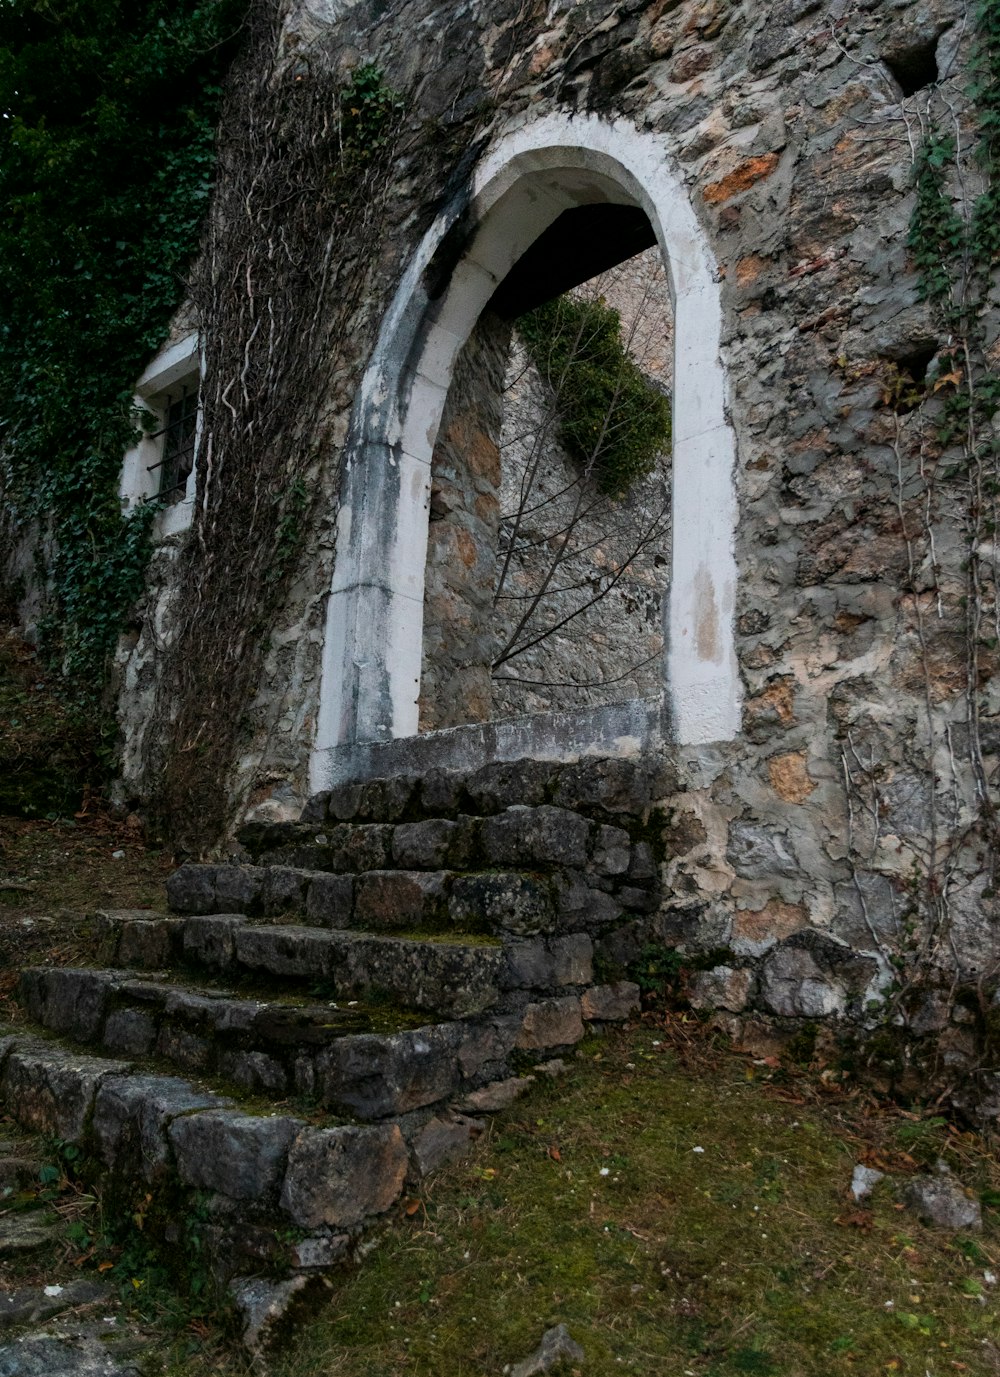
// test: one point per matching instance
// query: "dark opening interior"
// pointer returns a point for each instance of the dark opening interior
(914, 68)
(917, 361)
(578, 245)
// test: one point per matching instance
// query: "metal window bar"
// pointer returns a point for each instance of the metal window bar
(178, 435)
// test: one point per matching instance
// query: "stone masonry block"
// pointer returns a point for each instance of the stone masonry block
(148, 944)
(423, 845)
(610, 1003)
(441, 793)
(68, 1000)
(131, 1117)
(546, 836)
(551, 1023)
(330, 900)
(284, 890)
(502, 901)
(610, 786)
(723, 987)
(361, 846)
(548, 963)
(399, 899)
(129, 1032)
(386, 800)
(191, 889)
(375, 1076)
(238, 888)
(580, 905)
(239, 1155)
(211, 941)
(49, 1090)
(501, 784)
(336, 1177)
(292, 950)
(612, 851)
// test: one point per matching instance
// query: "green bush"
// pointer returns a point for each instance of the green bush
(612, 419)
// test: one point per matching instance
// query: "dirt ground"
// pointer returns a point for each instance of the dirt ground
(55, 875)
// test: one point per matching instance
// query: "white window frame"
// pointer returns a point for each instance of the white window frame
(176, 365)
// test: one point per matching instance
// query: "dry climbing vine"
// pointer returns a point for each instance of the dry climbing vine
(947, 490)
(304, 161)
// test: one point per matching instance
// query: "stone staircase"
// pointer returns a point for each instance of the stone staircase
(320, 1022)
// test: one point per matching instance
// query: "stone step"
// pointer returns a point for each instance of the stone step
(497, 900)
(277, 1192)
(520, 837)
(494, 902)
(604, 789)
(213, 942)
(451, 978)
(361, 1062)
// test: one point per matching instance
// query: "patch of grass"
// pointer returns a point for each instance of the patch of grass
(591, 1205)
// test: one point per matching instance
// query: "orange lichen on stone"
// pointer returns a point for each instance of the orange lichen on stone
(790, 778)
(776, 920)
(742, 178)
(749, 269)
(774, 701)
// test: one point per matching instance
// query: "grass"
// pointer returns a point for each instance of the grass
(590, 1204)
(587, 1204)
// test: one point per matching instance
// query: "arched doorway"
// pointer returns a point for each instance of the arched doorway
(532, 178)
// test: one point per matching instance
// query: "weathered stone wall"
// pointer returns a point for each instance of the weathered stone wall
(504, 495)
(462, 545)
(857, 768)
(612, 650)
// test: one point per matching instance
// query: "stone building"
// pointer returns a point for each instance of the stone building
(821, 715)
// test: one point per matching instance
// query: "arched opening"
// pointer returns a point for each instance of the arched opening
(548, 550)
(560, 164)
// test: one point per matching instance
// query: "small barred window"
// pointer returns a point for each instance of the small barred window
(180, 418)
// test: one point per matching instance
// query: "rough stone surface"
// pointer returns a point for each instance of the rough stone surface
(551, 1023)
(610, 1003)
(443, 1140)
(262, 1305)
(28, 1233)
(399, 899)
(211, 941)
(68, 1000)
(723, 987)
(943, 1201)
(336, 1177)
(330, 901)
(236, 1154)
(132, 1115)
(45, 1356)
(541, 963)
(50, 1090)
(499, 1095)
(35, 1303)
(378, 1076)
(864, 1180)
(556, 1347)
(506, 902)
(546, 835)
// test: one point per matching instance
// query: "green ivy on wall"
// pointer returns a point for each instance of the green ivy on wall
(107, 124)
(612, 419)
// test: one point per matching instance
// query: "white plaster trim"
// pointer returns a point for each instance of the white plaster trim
(137, 483)
(372, 652)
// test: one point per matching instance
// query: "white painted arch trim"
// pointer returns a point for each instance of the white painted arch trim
(372, 652)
